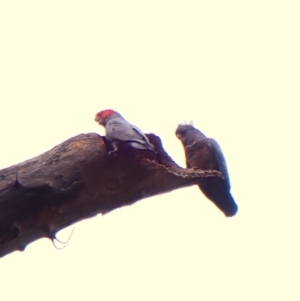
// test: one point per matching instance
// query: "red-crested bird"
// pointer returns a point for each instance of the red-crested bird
(118, 130)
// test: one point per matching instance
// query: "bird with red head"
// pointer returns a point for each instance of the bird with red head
(118, 130)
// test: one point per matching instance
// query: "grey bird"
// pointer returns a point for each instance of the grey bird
(118, 130)
(205, 153)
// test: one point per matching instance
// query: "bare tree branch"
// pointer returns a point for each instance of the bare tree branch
(77, 180)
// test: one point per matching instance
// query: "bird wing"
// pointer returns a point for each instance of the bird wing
(135, 134)
(118, 130)
(140, 133)
(219, 157)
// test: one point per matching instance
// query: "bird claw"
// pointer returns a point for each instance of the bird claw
(113, 152)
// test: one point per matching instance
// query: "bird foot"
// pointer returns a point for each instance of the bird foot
(113, 152)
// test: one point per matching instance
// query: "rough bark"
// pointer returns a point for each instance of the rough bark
(77, 180)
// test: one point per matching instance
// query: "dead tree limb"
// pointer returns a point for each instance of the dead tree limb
(77, 180)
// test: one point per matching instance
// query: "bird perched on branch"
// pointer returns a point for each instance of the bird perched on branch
(205, 153)
(118, 130)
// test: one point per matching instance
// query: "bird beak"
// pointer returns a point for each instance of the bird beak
(98, 119)
(178, 136)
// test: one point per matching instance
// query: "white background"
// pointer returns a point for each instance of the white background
(232, 67)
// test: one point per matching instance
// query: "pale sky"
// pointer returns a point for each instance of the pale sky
(233, 68)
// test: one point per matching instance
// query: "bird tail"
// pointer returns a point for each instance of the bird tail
(218, 192)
